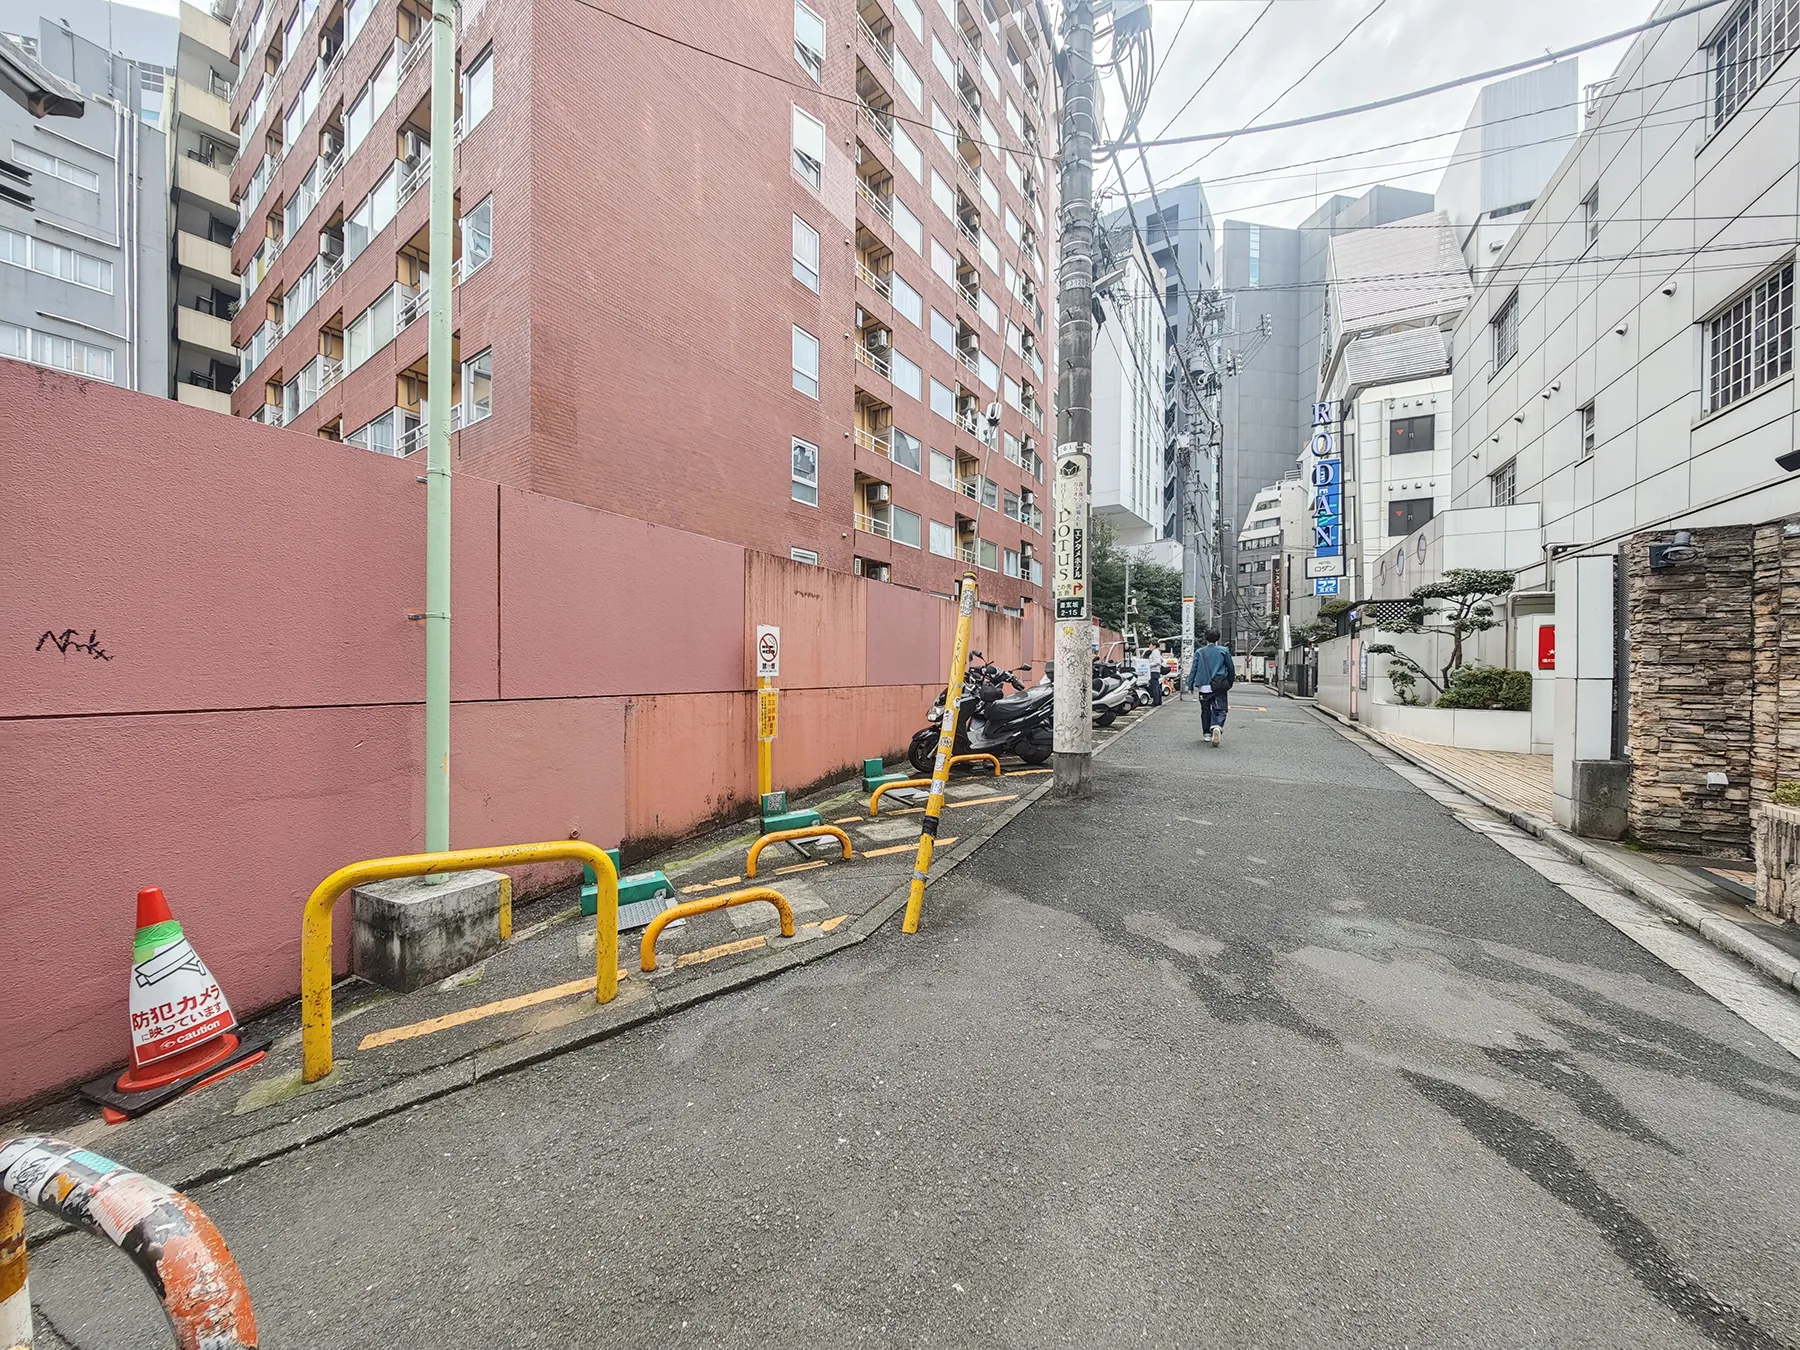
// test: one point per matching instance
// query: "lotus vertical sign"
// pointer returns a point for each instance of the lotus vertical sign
(1328, 563)
(1071, 537)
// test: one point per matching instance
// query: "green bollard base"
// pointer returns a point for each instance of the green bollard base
(791, 820)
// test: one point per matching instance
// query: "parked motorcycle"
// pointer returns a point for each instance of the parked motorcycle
(989, 722)
(1115, 692)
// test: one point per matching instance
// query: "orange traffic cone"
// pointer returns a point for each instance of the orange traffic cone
(182, 1033)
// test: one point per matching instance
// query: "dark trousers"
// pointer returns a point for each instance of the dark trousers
(1212, 711)
(1156, 690)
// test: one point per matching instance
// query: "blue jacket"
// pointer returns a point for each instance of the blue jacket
(1210, 663)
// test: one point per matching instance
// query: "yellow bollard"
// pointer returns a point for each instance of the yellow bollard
(882, 791)
(808, 832)
(971, 759)
(315, 924)
(940, 772)
(687, 910)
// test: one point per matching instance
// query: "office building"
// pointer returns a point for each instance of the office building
(203, 284)
(644, 230)
(1129, 354)
(84, 219)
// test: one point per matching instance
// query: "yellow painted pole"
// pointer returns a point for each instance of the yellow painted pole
(940, 770)
(765, 745)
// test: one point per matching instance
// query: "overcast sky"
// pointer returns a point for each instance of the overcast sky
(1408, 44)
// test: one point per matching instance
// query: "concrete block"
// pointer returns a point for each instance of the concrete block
(409, 933)
(789, 820)
(1601, 798)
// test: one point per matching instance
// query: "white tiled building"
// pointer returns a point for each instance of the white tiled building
(1628, 361)
(1129, 357)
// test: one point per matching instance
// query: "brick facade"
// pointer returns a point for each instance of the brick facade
(1714, 684)
(640, 299)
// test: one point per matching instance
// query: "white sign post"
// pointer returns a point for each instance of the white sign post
(768, 651)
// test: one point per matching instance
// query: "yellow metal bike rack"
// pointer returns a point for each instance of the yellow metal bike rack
(687, 910)
(970, 759)
(876, 796)
(781, 836)
(315, 924)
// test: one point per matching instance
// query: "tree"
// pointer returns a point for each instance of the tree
(1461, 605)
(1155, 589)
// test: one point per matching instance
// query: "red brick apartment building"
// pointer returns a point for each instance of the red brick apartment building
(657, 202)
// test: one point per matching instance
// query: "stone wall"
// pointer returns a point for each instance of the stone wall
(1714, 684)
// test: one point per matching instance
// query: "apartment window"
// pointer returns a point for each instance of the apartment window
(1015, 228)
(943, 332)
(1505, 324)
(906, 150)
(805, 488)
(915, 18)
(906, 450)
(1256, 255)
(907, 301)
(904, 526)
(478, 235)
(987, 554)
(943, 401)
(1753, 42)
(1504, 483)
(358, 121)
(1587, 432)
(943, 470)
(806, 254)
(53, 260)
(809, 148)
(944, 127)
(905, 374)
(989, 250)
(941, 58)
(386, 83)
(40, 161)
(806, 363)
(372, 215)
(908, 80)
(907, 226)
(942, 196)
(60, 353)
(943, 539)
(478, 91)
(1590, 217)
(1010, 392)
(1406, 516)
(986, 370)
(943, 263)
(478, 387)
(369, 331)
(809, 40)
(1411, 435)
(803, 555)
(1752, 341)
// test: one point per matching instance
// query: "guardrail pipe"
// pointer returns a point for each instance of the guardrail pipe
(172, 1243)
(780, 836)
(687, 910)
(315, 924)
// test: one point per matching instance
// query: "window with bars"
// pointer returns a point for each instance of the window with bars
(1506, 331)
(1748, 48)
(1751, 342)
(1505, 483)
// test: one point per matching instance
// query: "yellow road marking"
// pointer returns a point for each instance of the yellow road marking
(847, 820)
(802, 867)
(1027, 773)
(830, 924)
(905, 848)
(723, 949)
(457, 1019)
(981, 801)
(711, 885)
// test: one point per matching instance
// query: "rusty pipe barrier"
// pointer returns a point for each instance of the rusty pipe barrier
(315, 925)
(970, 759)
(687, 910)
(172, 1243)
(780, 836)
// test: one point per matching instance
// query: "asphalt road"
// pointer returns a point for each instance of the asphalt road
(1260, 1046)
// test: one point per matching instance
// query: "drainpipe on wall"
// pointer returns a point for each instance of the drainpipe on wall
(437, 462)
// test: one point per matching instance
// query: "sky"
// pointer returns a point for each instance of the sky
(1406, 44)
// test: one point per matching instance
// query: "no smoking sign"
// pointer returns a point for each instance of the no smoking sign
(768, 651)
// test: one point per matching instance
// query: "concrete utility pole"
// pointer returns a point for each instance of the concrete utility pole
(1074, 408)
(437, 453)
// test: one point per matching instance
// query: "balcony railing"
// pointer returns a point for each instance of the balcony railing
(969, 292)
(415, 302)
(269, 415)
(880, 203)
(971, 422)
(968, 231)
(882, 49)
(415, 50)
(880, 443)
(412, 177)
(881, 121)
(330, 269)
(969, 106)
(461, 268)
(873, 280)
(330, 372)
(873, 360)
(966, 553)
(967, 359)
(329, 166)
(970, 488)
(870, 525)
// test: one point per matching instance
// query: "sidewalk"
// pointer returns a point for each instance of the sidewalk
(1703, 894)
(533, 998)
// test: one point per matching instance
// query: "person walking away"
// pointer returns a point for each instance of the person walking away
(1213, 677)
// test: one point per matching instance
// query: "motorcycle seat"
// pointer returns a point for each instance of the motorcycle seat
(1019, 705)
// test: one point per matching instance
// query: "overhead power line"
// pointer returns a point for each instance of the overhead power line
(1497, 72)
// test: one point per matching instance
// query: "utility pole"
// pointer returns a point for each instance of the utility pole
(1074, 733)
(437, 454)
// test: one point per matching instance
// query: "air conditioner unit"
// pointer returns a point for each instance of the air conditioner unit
(1027, 343)
(879, 494)
(879, 572)
(1028, 497)
(416, 147)
(877, 340)
(1025, 552)
(331, 245)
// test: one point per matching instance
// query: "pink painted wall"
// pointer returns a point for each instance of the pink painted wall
(258, 720)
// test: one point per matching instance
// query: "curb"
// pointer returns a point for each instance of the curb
(1722, 933)
(218, 1162)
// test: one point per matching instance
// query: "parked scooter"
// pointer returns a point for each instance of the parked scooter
(988, 721)
(1115, 692)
